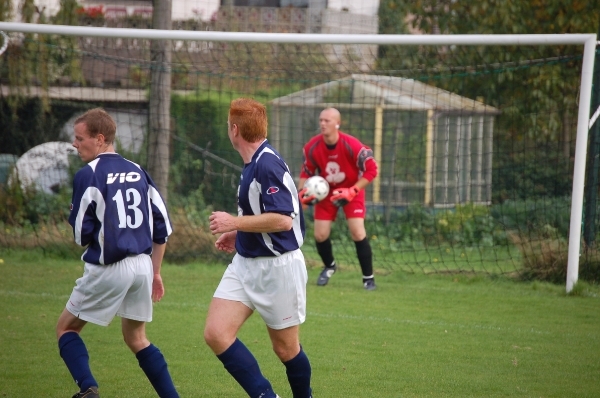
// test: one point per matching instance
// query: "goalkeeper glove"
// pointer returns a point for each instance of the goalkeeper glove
(306, 200)
(343, 196)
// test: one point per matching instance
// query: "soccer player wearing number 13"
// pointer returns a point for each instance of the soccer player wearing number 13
(348, 166)
(118, 213)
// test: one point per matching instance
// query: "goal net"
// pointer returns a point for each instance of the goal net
(481, 140)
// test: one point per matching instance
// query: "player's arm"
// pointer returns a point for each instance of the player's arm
(161, 230)
(301, 182)
(158, 288)
(221, 222)
(278, 209)
(368, 170)
(265, 222)
(367, 164)
(362, 183)
(308, 169)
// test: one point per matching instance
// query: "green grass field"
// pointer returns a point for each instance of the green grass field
(416, 336)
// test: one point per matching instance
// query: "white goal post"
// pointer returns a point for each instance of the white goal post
(589, 41)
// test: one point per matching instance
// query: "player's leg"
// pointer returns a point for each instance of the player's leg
(135, 310)
(87, 303)
(287, 347)
(149, 357)
(281, 302)
(356, 226)
(355, 212)
(324, 248)
(228, 310)
(74, 353)
(224, 319)
(325, 214)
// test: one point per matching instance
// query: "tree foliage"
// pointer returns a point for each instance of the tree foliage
(505, 17)
(6, 10)
(536, 86)
(33, 60)
(40, 60)
(392, 17)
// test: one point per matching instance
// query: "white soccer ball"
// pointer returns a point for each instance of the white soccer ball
(316, 186)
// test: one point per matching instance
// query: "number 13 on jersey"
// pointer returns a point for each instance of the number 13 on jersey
(132, 199)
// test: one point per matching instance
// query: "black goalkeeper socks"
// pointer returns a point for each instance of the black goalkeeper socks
(326, 252)
(365, 258)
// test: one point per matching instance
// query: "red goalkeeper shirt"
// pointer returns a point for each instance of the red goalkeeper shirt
(342, 164)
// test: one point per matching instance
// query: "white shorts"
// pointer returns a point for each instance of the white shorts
(273, 286)
(123, 289)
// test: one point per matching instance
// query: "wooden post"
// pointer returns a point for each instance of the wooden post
(160, 99)
(429, 160)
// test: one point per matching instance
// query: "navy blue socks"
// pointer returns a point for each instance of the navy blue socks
(242, 365)
(153, 364)
(298, 373)
(75, 354)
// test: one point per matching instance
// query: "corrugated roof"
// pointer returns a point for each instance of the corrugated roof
(389, 92)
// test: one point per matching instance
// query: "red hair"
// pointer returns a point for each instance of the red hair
(251, 118)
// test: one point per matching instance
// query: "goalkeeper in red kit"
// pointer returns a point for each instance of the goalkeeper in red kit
(348, 166)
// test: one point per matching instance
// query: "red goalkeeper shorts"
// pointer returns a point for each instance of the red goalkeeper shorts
(326, 210)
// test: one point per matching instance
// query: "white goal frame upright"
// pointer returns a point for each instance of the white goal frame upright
(584, 123)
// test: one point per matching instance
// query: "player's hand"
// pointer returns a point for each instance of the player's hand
(343, 196)
(226, 242)
(221, 222)
(158, 289)
(306, 200)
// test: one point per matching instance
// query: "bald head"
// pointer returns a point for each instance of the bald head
(332, 114)
(329, 123)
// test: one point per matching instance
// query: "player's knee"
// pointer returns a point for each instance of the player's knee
(212, 337)
(60, 332)
(358, 236)
(217, 340)
(285, 352)
(280, 352)
(321, 236)
(136, 343)
(65, 324)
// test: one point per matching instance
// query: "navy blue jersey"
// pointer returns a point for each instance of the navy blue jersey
(266, 186)
(116, 210)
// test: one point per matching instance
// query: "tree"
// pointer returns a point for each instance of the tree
(6, 10)
(40, 59)
(536, 88)
(36, 60)
(552, 88)
(392, 16)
